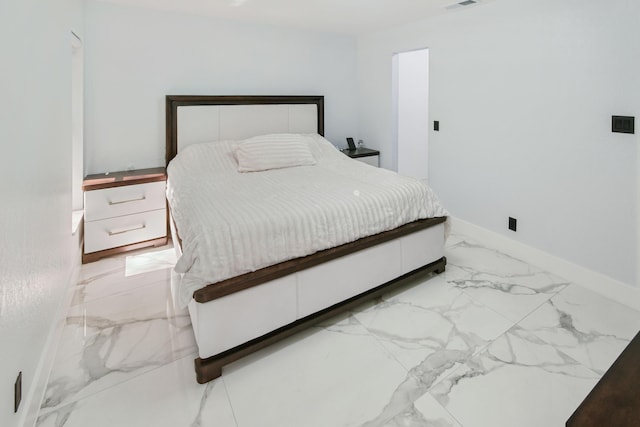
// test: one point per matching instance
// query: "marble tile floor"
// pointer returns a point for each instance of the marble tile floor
(491, 342)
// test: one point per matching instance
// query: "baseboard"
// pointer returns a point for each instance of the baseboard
(597, 282)
(34, 399)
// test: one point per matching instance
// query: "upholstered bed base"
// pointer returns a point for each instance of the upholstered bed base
(232, 326)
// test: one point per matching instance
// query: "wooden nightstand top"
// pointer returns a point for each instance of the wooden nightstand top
(117, 179)
(361, 152)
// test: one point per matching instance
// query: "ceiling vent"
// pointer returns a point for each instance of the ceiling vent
(462, 4)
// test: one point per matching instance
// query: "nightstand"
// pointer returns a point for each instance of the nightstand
(365, 155)
(124, 211)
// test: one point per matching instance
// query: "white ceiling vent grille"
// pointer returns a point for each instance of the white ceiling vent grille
(462, 4)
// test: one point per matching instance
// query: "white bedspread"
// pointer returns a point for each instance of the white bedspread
(232, 223)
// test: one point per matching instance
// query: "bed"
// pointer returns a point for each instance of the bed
(250, 270)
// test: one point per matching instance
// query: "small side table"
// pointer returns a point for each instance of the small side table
(124, 211)
(365, 155)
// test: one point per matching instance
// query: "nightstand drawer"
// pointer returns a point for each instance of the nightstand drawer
(124, 200)
(124, 230)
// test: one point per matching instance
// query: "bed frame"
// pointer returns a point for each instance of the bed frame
(240, 315)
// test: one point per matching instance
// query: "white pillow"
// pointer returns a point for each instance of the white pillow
(273, 151)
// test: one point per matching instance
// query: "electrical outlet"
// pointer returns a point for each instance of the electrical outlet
(17, 392)
(513, 224)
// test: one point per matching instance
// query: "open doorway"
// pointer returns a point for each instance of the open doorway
(411, 112)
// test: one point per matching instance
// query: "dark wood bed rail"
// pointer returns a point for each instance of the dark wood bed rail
(248, 280)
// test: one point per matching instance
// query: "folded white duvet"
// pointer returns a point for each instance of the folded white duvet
(232, 223)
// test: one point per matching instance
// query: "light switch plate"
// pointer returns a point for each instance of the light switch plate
(623, 124)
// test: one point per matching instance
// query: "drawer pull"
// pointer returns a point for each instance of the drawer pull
(114, 233)
(139, 199)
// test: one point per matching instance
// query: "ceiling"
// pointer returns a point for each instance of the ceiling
(335, 16)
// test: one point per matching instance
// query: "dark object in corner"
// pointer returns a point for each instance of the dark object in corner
(615, 400)
(623, 124)
(17, 393)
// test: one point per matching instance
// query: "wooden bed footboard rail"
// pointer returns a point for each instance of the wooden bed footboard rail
(248, 280)
(211, 368)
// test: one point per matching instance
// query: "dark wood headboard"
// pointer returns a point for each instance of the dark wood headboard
(175, 101)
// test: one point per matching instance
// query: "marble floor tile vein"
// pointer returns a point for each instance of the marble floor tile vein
(115, 338)
(506, 284)
(487, 343)
(335, 374)
(114, 356)
(580, 323)
(509, 383)
(430, 327)
(164, 397)
(425, 412)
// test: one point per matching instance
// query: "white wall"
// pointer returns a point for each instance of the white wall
(524, 92)
(35, 182)
(135, 56)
